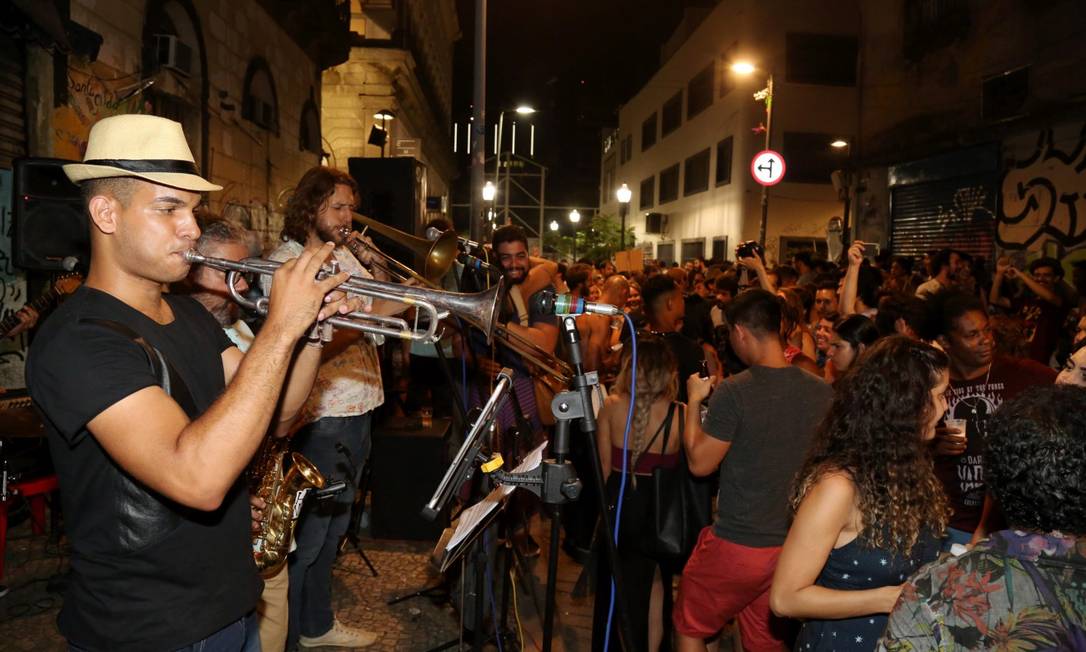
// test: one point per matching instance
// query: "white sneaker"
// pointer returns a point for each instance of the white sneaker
(340, 636)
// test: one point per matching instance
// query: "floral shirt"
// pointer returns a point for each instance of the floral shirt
(1013, 591)
(350, 383)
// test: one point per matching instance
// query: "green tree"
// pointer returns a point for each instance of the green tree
(597, 238)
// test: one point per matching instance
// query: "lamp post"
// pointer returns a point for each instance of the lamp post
(574, 218)
(764, 95)
(623, 194)
(384, 115)
(489, 192)
(523, 109)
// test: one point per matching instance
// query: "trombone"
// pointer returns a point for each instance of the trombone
(479, 309)
(554, 370)
(437, 255)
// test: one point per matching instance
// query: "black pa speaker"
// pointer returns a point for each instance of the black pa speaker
(393, 192)
(408, 462)
(50, 222)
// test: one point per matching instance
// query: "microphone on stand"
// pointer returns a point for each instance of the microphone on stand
(549, 302)
(478, 264)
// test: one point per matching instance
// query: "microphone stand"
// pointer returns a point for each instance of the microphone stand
(556, 482)
(360, 506)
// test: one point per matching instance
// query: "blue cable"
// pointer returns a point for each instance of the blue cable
(490, 585)
(625, 470)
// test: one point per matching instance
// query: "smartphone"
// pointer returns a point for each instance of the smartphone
(704, 373)
(871, 250)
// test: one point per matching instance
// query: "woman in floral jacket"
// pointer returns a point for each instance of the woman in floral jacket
(1023, 588)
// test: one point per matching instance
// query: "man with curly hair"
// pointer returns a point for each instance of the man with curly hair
(1023, 588)
(336, 417)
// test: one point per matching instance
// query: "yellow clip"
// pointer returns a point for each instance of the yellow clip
(493, 464)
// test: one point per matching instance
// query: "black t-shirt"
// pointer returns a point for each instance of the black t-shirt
(976, 401)
(147, 573)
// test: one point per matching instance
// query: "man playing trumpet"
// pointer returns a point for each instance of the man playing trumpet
(150, 478)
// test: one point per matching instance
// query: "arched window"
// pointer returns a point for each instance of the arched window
(309, 131)
(259, 104)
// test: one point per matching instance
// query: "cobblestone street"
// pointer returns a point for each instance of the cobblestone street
(28, 612)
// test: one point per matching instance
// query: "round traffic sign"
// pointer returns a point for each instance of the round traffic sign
(767, 167)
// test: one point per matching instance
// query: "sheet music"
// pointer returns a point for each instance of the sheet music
(477, 513)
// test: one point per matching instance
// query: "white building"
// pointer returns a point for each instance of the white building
(685, 140)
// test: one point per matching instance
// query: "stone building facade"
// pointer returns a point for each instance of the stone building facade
(400, 62)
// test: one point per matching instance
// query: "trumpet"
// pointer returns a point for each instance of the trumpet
(479, 309)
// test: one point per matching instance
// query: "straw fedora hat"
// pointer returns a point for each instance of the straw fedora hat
(143, 146)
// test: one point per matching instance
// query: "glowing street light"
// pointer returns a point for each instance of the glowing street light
(840, 143)
(554, 225)
(623, 194)
(525, 110)
(574, 216)
(743, 67)
(489, 191)
(746, 68)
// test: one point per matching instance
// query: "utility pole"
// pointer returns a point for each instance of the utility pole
(478, 124)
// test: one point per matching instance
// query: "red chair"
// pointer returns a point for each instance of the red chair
(34, 492)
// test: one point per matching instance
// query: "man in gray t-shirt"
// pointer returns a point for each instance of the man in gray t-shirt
(757, 430)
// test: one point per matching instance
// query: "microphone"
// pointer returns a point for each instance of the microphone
(550, 303)
(478, 264)
(68, 263)
(433, 233)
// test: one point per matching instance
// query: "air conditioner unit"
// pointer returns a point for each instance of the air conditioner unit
(654, 223)
(172, 53)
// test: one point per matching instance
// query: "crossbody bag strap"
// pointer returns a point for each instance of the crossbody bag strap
(665, 426)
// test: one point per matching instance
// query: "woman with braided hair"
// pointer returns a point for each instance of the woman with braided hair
(869, 509)
(654, 441)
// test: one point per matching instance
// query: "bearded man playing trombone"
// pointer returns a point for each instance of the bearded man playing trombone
(149, 470)
(337, 417)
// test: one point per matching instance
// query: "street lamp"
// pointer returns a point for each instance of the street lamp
(840, 143)
(523, 109)
(764, 95)
(574, 217)
(489, 191)
(554, 225)
(623, 194)
(384, 115)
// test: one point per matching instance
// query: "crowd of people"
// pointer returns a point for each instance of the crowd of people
(897, 463)
(850, 424)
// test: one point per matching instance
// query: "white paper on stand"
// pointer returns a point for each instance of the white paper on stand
(477, 513)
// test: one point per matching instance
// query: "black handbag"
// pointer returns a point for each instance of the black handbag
(680, 504)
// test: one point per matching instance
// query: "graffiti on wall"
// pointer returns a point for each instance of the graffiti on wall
(95, 91)
(12, 293)
(1044, 194)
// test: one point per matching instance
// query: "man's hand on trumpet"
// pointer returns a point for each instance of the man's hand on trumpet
(298, 298)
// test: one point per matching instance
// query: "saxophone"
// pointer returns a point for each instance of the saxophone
(283, 495)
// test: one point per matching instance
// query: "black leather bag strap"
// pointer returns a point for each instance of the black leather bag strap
(168, 379)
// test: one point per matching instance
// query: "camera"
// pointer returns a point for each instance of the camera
(750, 249)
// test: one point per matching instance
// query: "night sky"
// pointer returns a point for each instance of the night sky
(575, 61)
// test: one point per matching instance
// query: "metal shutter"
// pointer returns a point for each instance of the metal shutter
(956, 213)
(12, 101)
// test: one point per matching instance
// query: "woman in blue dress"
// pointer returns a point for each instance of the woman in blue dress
(869, 509)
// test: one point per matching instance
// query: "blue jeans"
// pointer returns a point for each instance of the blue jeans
(323, 522)
(239, 636)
